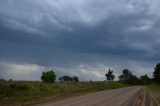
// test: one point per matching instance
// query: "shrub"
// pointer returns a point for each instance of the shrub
(48, 76)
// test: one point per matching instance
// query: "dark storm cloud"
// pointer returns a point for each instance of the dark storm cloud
(70, 34)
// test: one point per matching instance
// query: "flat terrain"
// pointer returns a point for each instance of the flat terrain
(18, 93)
(127, 96)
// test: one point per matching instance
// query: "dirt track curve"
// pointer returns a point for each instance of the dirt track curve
(128, 96)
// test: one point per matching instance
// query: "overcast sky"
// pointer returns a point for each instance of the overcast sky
(78, 37)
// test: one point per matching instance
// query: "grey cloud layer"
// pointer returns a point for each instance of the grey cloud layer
(71, 33)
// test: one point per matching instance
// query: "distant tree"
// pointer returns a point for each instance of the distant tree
(126, 74)
(128, 78)
(48, 76)
(66, 78)
(90, 81)
(10, 80)
(61, 79)
(156, 74)
(2, 79)
(145, 79)
(109, 75)
(133, 80)
(75, 79)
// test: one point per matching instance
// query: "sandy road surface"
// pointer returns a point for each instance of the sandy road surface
(127, 96)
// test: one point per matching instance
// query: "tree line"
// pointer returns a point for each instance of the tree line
(129, 78)
(50, 77)
(126, 77)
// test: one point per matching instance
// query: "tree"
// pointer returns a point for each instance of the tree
(10, 80)
(133, 80)
(66, 78)
(126, 74)
(48, 76)
(145, 79)
(61, 79)
(128, 78)
(75, 79)
(110, 75)
(156, 74)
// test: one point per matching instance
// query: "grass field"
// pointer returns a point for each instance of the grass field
(154, 88)
(155, 91)
(28, 92)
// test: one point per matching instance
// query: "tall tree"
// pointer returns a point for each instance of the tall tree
(145, 79)
(126, 74)
(48, 76)
(109, 75)
(128, 77)
(156, 74)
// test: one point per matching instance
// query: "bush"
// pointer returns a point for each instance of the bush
(48, 76)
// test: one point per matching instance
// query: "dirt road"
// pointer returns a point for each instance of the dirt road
(128, 96)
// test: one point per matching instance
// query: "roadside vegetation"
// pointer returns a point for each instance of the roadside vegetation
(154, 90)
(154, 87)
(28, 92)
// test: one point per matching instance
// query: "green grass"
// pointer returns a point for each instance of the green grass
(154, 88)
(33, 92)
